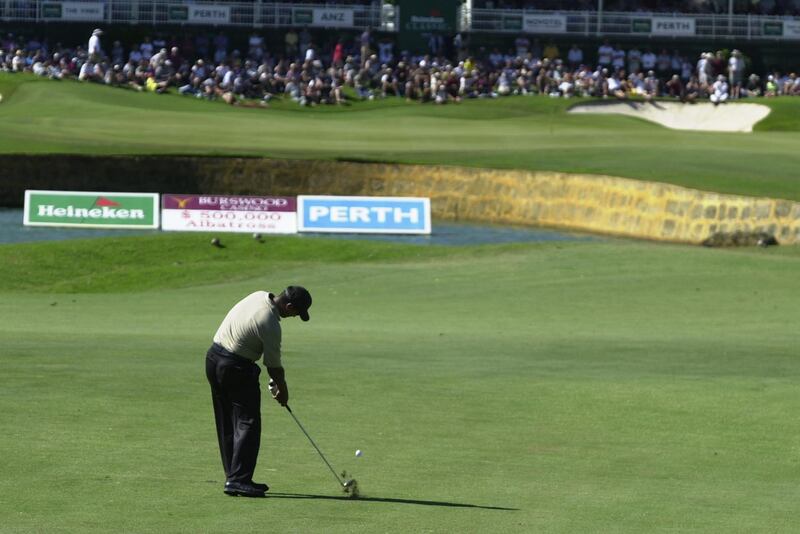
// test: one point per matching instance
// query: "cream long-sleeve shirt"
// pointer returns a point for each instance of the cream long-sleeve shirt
(253, 328)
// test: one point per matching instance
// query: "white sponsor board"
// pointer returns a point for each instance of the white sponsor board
(672, 26)
(544, 23)
(333, 17)
(209, 14)
(225, 213)
(791, 29)
(82, 11)
(371, 215)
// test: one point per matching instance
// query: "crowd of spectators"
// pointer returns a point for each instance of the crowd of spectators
(206, 66)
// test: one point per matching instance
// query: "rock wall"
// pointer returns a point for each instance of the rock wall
(601, 204)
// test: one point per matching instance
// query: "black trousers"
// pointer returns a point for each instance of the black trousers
(236, 396)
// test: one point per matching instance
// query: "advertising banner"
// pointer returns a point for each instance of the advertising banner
(791, 29)
(373, 215)
(91, 209)
(544, 23)
(421, 18)
(209, 14)
(333, 17)
(673, 26)
(82, 11)
(220, 213)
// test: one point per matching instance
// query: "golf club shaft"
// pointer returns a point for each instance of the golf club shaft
(314, 444)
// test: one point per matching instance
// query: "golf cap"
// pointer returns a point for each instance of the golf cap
(97, 31)
(300, 298)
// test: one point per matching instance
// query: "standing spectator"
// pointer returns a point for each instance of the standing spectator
(94, 50)
(305, 40)
(337, 57)
(735, 73)
(634, 60)
(649, 60)
(385, 51)
(704, 69)
(618, 58)
(604, 54)
(663, 63)
(146, 48)
(675, 62)
(117, 53)
(522, 44)
(255, 47)
(575, 57)
(220, 47)
(551, 51)
(365, 45)
(290, 41)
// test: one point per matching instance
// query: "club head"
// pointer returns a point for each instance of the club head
(350, 487)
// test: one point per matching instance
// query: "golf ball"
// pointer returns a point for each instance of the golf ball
(358, 453)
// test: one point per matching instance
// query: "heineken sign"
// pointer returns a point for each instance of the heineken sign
(91, 209)
(421, 18)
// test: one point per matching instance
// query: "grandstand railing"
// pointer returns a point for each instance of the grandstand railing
(222, 13)
(628, 24)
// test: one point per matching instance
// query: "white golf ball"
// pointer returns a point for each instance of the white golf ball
(358, 453)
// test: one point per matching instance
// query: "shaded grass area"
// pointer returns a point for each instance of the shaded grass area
(563, 387)
(534, 133)
(125, 264)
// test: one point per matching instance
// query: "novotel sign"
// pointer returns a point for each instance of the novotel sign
(377, 215)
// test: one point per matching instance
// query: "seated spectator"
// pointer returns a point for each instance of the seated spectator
(719, 91)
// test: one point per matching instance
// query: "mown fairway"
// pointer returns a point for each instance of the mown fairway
(572, 387)
(40, 116)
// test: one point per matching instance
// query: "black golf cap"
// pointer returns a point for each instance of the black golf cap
(300, 299)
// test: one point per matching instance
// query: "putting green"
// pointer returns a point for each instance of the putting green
(45, 117)
(559, 387)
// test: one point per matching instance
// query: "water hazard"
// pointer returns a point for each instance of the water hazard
(444, 233)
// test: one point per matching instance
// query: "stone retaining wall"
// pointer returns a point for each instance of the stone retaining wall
(600, 204)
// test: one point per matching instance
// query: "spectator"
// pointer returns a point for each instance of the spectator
(735, 73)
(604, 54)
(290, 41)
(719, 91)
(94, 50)
(365, 41)
(575, 57)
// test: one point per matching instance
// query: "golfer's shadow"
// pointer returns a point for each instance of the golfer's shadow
(384, 499)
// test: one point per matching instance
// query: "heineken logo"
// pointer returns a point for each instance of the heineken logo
(104, 212)
(111, 210)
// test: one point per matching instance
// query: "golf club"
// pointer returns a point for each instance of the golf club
(349, 486)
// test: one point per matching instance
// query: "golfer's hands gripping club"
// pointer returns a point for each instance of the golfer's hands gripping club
(279, 392)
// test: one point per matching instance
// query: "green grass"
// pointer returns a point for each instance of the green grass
(44, 117)
(561, 387)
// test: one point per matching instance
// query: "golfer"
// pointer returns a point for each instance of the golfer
(250, 329)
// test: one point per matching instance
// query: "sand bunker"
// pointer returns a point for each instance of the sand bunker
(703, 116)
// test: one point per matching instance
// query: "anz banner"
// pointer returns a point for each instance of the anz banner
(374, 215)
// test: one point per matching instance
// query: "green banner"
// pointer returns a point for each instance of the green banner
(421, 18)
(642, 25)
(91, 210)
(303, 16)
(773, 28)
(178, 13)
(51, 11)
(512, 22)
